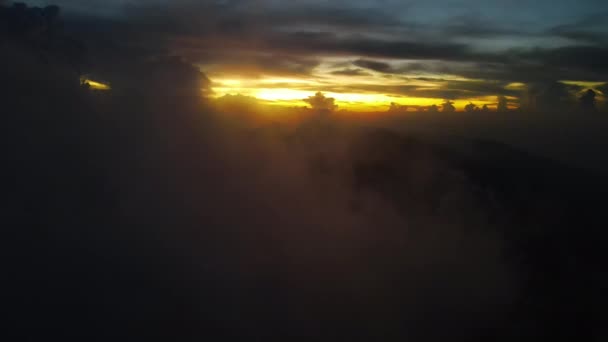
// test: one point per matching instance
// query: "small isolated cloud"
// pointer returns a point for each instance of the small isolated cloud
(321, 103)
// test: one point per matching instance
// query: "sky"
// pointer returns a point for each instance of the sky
(365, 54)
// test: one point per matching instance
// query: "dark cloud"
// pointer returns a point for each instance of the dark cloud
(255, 64)
(522, 66)
(592, 29)
(373, 65)
(580, 35)
(472, 26)
(590, 58)
(445, 89)
(213, 28)
(350, 72)
(327, 43)
(344, 17)
(479, 87)
(245, 20)
(257, 38)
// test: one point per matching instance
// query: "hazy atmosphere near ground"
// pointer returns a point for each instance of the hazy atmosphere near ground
(315, 171)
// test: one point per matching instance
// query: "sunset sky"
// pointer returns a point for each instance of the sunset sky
(365, 54)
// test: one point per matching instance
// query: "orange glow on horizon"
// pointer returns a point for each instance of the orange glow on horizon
(290, 92)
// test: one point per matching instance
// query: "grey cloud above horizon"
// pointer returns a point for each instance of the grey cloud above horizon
(496, 41)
